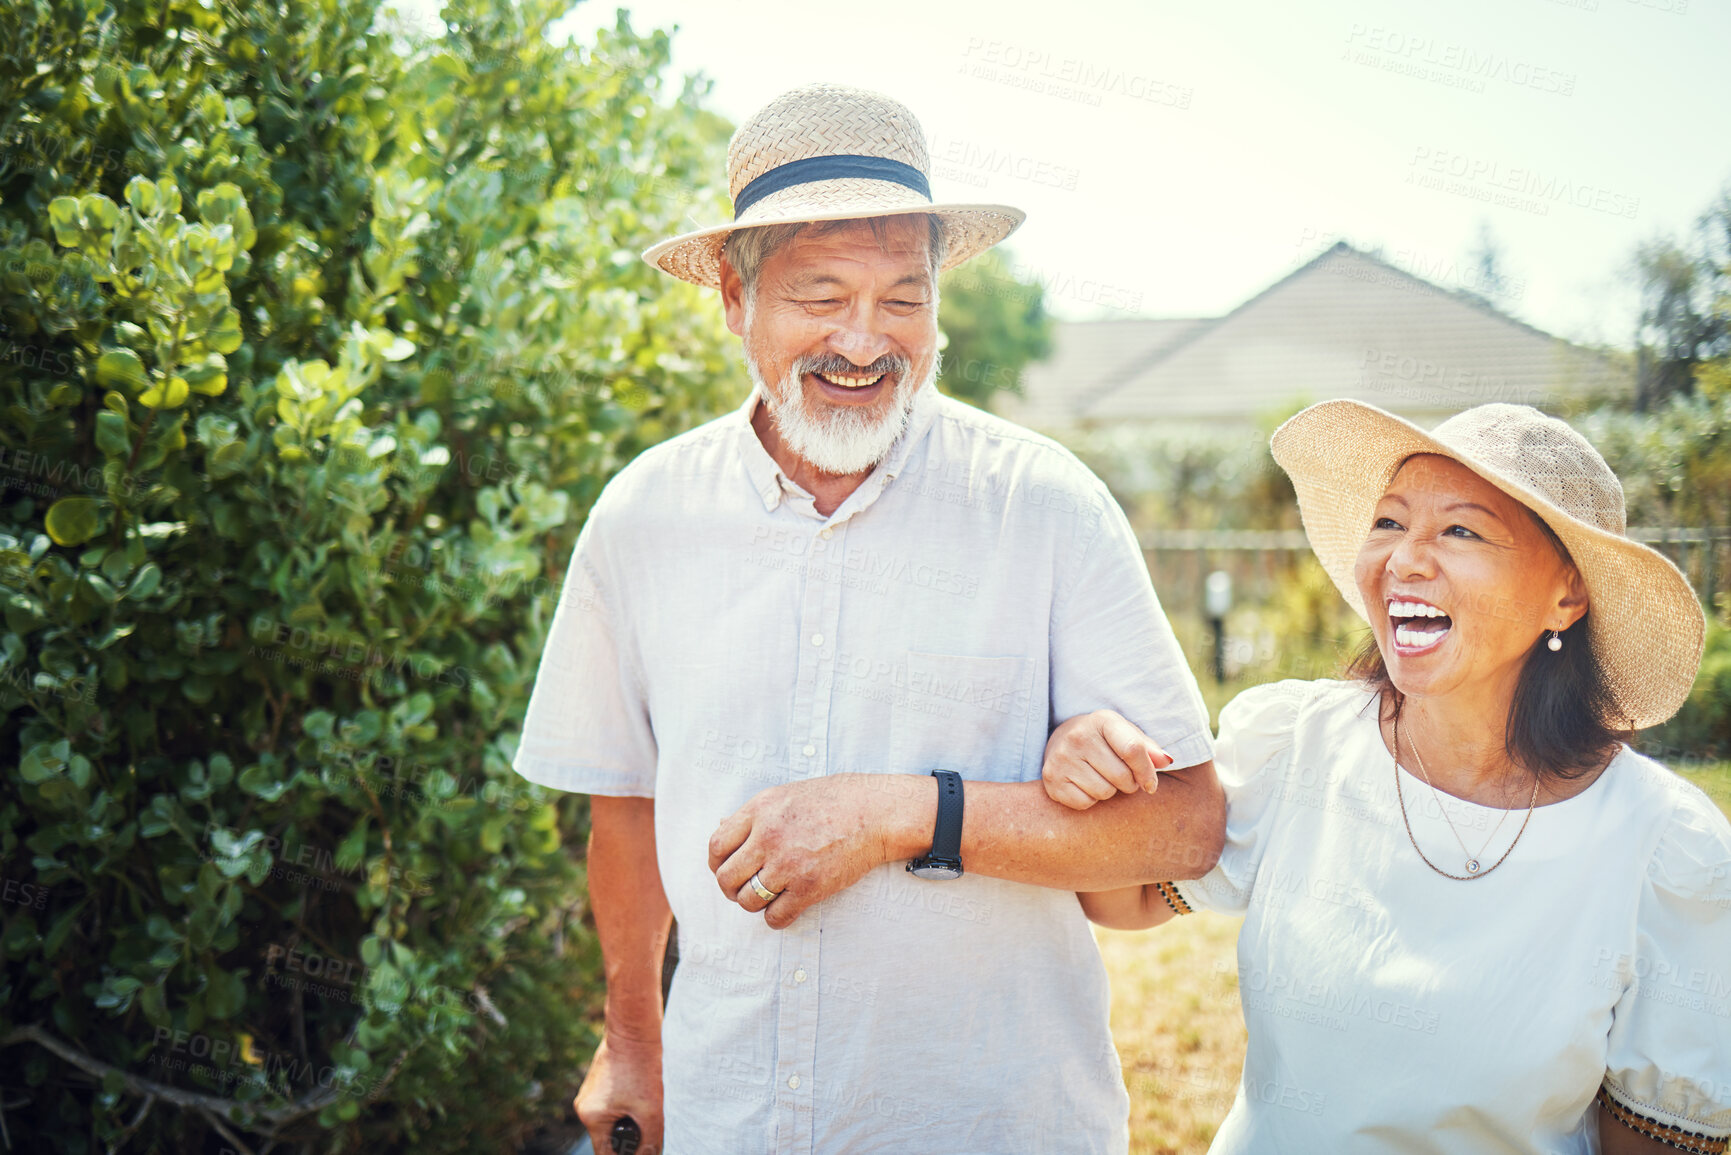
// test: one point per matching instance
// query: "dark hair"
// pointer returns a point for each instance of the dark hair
(1564, 718)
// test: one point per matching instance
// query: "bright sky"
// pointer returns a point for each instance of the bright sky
(1176, 158)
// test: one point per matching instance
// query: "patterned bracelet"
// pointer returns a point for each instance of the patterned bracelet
(1691, 1141)
(1172, 897)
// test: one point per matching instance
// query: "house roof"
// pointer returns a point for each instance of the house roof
(1089, 358)
(1347, 324)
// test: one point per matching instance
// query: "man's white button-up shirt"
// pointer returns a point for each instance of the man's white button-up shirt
(716, 635)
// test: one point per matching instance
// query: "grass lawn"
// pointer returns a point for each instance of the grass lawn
(1179, 1031)
(1713, 777)
(1176, 1020)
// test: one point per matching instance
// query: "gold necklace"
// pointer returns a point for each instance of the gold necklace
(1469, 877)
(1472, 860)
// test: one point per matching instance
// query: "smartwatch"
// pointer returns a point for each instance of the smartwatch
(945, 860)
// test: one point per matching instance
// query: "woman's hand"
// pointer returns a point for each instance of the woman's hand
(1094, 756)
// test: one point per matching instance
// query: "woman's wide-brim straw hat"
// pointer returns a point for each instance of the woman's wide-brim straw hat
(827, 153)
(1644, 622)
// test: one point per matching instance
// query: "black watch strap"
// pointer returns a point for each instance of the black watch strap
(947, 834)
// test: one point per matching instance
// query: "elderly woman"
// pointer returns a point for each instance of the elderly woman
(1475, 920)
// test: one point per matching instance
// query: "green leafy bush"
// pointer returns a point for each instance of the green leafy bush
(1702, 728)
(319, 343)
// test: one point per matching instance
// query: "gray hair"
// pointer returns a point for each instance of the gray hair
(746, 249)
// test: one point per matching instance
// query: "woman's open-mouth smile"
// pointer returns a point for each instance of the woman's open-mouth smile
(1418, 627)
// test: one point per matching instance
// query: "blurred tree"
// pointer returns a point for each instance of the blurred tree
(1487, 269)
(1681, 324)
(317, 346)
(995, 324)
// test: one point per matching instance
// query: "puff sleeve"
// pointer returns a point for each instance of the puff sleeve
(1668, 1067)
(1251, 757)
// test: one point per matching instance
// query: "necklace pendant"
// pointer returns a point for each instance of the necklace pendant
(1472, 866)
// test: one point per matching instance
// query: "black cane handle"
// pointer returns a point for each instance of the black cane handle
(626, 1136)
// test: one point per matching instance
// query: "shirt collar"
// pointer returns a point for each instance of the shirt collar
(772, 484)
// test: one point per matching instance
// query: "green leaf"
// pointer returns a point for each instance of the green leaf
(208, 379)
(255, 779)
(353, 848)
(62, 926)
(102, 587)
(100, 213)
(153, 1001)
(165, 394)
(111, 434)
(120, 367)
(225, 995)
(73, 520)
(146, 583)
(44, 760)
(142, 196)
(228, 459)
(63, 218)
(225, 335)
(62, 793)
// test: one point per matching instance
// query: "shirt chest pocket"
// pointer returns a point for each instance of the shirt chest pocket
(973, 715)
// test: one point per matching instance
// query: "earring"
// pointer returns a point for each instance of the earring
(1556, 643)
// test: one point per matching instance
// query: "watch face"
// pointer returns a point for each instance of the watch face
(936, 869)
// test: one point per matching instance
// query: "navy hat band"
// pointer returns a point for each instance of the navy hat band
(816, 168)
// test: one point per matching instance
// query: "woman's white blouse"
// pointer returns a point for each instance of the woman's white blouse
(1392, 1009)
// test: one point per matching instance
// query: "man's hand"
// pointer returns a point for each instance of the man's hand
(808, 840)
(624, 1079)
(1091, 757)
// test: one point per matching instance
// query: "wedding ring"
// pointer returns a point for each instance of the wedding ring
(763, 891)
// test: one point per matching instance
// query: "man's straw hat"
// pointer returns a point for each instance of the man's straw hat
(1644, 622)
(825, 153)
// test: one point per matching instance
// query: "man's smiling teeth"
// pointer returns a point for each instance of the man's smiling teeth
(851, 382)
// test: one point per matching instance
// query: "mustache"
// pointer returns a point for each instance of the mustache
(841, 367)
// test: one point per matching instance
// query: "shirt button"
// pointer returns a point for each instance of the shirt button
(793, 1081)
(799, 975)
(817, 639)
(810, 750)
(826, 534)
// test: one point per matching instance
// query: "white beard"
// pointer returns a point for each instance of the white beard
(839, 440)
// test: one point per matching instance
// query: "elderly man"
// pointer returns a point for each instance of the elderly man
(807, 660)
